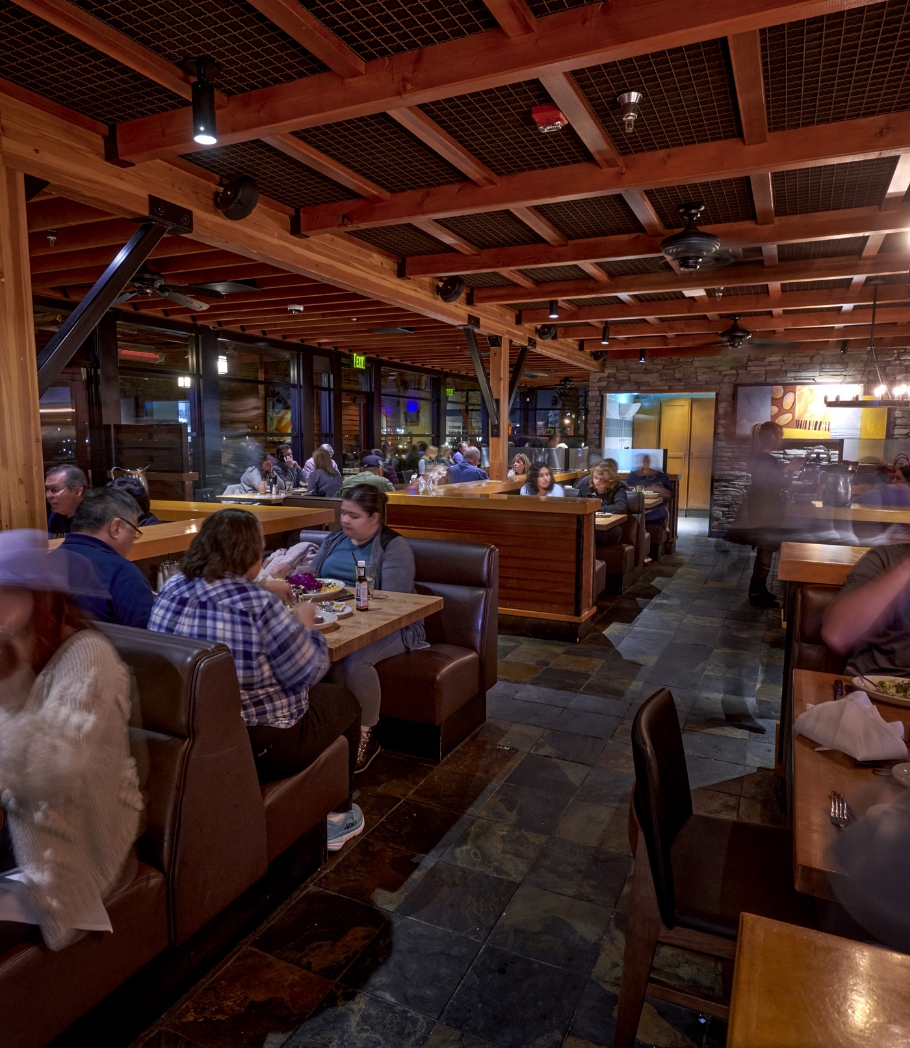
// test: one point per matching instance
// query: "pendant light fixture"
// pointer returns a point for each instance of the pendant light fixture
(553, 311)
(205, 71)
(605, 335)
(641, 356)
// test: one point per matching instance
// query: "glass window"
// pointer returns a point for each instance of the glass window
(148, 349)
(323, 421)
(464, 417)
(58, 426)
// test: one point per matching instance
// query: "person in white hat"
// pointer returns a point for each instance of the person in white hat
(68, 782)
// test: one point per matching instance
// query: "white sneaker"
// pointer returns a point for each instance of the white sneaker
(344, 829)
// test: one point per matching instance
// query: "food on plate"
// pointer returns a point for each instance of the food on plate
(307, 583)
(897, 689)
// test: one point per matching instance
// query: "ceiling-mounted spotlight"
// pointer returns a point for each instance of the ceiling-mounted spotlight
(605, 335)
(641, 356)
(451, 289)
(553, 311)
(599, 354)
(630, 109)
(238, 198)
(693, 248)
(546, 332)
(205, 71)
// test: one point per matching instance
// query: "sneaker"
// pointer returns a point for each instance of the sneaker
(367, 750)
(343, 830)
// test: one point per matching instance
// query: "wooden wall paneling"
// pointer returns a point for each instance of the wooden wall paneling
(675, 423)
(21, 460)
(499, 384)
(701, 453)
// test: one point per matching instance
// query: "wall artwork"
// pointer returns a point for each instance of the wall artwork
(801, 411)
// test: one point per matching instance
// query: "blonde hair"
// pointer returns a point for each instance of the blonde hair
(606, 470)
(431, 452)
(524, 458)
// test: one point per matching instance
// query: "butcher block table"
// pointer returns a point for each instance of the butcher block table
(817, 562)
(387, 612)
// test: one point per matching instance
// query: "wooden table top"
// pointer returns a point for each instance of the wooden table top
(817, 562)
(495, 501)
(253, 497)
(169, 510)
(390, 612)
(815, 775)
(816, 511)
(606, 521)
(798, 988)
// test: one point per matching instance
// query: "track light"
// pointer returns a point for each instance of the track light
(641, 356)
(605, 335)
(553, 312)
(204, 70)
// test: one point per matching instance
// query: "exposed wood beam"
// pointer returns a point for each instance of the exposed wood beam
(431, 134)
(435, 229)
(813, 269)
(629, 301)
(566, 93)
(745, 57)
(514, 16)
(822, 225)
(595, 272)
(644, 212)
(533, 219)
(588, 35)
(92, 31)
(871, 249)
(900, 183)
(45, 105)
(309, 32)
(770, 255)
(325, 165)
(518, 278)
(815, 146)
(763, 197)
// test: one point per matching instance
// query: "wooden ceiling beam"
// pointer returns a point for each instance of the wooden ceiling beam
(897, 188)
(822, 334)
(816, 146)
(644, 212)
(585, 36)
(108, 232)
(61, 213)
(170, 248)
(513, 16)
(746, 59)
(299, 150)
(566, 93)
(534, 220)
(518, 278)
(763, 197)
(446, 236)
(432, 135)
(822, 225)
(309, 32)
(595, 272)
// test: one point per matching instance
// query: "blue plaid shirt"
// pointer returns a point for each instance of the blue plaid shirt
(277, 659)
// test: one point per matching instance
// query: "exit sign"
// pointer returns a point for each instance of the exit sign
(450, 391)
(359, 360)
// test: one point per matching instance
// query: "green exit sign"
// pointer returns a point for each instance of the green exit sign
(359, 359)
(450, 391)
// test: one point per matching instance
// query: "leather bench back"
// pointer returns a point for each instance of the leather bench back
(808, 650)
(205, 825)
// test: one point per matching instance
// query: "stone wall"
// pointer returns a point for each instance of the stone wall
(720, 375)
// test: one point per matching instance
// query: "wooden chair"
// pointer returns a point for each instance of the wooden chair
(694, 874)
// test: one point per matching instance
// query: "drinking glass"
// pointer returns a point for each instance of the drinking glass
(370, 572)
(262, 487)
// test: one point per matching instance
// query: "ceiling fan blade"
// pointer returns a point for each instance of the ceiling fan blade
(773, 342)
(229, 287)
(196, 290)
(125, 297)
(182, 300)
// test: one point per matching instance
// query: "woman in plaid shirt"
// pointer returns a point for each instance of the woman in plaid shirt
(291, 719)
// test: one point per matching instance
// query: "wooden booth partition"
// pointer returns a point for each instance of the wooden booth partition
(546, 551)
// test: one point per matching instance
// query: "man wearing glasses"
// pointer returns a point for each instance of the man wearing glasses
(103, 529)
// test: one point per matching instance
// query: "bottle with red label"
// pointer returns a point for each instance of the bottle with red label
(361, 588)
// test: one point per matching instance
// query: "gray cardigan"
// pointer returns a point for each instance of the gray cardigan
(393, 562)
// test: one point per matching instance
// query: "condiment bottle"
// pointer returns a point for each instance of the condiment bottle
(361, 588)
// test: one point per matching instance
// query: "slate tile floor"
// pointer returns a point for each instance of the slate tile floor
(485, 905)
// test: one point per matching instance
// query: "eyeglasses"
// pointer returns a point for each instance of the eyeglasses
(130, 524)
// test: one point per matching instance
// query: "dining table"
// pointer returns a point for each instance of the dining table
(387, 613)
(798, 987)
(817, 562)
(816, 774)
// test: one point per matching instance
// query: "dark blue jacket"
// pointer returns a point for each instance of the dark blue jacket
(131, 598)
(58, 525)
(465, 470)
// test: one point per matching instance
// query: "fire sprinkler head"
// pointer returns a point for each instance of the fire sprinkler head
(630, 109)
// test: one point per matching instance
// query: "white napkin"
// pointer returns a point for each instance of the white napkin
(854, 726)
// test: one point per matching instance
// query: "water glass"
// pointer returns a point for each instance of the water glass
(370, 572)
(262, 487)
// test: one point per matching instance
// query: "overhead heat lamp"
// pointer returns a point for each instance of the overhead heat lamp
(205, 71)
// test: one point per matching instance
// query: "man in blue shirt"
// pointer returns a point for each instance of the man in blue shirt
(469, 469)
(653, 480)
(64, 489)
(103, 530)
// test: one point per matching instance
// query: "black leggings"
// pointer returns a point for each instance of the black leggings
(281, 752)
(758, 584)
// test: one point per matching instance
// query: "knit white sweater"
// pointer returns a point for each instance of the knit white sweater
(68, 782)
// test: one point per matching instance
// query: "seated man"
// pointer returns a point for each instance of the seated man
(653, 480)
(137, 489)
(387, 469)
(871, 614)
(64, 489)
(468, 468)
(371, 473)
(286, 467)
(103, 530)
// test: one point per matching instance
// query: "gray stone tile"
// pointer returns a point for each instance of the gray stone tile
(582, 722)
(570, 746)
(718, 775)
(716, 747)
(524, 808)
(550, 774)
(607, 786)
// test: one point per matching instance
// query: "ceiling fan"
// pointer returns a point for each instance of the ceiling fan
(736, 341)
(148, 284)
(693, 248)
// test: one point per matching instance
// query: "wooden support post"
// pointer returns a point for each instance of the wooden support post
(21, 461)
(499, 383)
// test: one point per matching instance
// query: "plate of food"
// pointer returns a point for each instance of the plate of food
(338, 608)
(308, 587)
(324, 620)
(893, 690)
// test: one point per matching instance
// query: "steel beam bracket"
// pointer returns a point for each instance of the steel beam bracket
(484, 382)
(177, 220)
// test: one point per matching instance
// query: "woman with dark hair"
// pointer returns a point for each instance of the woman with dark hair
(540, 482)
(363, 535)
(68, 781)
(137, 489)
(290, 718)
(325, 480)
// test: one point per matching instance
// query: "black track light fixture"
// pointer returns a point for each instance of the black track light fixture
(205, 71)
(641, 356)
(553, 311)
(599, 354)
(605, 335)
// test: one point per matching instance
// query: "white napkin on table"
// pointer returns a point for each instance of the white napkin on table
(854, 726)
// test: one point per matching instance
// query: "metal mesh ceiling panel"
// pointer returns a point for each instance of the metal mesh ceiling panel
(627, 267)
(546, 273)
(276, 174)
(807, 309)
(41, 58)
(659, 296)
(491, 229)
(689, 97)
(405, 240)
(757, 313)
(376, 28)
(381, 150)
(838, 67)
(541, 8)
(496, 126)
(605, 300)
(887, 278)
(816, 285)
(833, 187)
(839, 248)
(894, 242)
(743, 289)
(725, 200)
(592, 217)
(252, 51)
(486, 280)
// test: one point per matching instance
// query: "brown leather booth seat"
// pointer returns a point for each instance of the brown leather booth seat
(624, 561)
(209, 834)
(435, 697)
